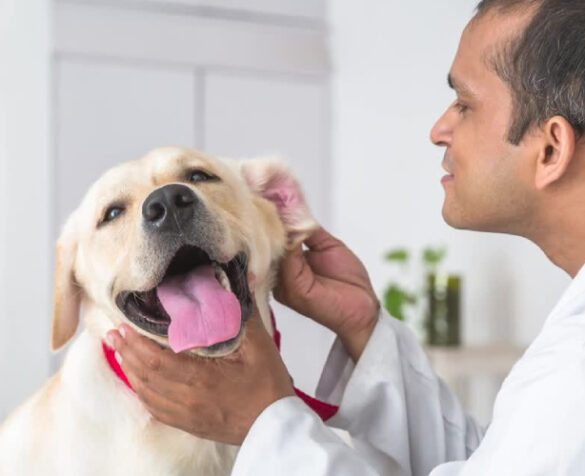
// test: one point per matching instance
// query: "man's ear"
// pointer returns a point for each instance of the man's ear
(271, 179)
(67, 296)
(558, 146)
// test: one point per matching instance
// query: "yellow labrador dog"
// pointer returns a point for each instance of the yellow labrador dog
(165, 244)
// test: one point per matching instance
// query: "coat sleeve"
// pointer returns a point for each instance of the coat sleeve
(290, 439)
(402, 420)
(393, 400)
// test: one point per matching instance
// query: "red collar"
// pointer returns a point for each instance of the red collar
(323, 409)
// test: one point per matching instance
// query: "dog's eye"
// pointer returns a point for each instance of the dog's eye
(112, 213)
(200, 176)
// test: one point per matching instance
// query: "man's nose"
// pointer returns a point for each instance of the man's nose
(169, 208)
(442, 130)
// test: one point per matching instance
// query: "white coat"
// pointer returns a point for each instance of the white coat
(404, 421)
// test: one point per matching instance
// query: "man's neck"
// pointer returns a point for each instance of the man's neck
(562, 238)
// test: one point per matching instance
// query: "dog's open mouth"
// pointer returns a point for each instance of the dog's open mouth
(199, 303)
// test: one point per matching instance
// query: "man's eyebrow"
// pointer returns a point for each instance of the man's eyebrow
(459, 87)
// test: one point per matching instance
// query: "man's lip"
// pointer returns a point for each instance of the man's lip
(447, 178)
(447, 164)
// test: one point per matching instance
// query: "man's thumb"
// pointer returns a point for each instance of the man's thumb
(291, 269)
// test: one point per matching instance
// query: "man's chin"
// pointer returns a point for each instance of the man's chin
(454, 220)
(459, 221)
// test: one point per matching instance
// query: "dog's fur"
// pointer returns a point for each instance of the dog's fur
(85, 421)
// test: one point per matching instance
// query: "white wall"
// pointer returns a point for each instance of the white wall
(390, 61)
(25, 252)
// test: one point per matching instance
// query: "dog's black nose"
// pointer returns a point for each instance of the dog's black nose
(169, 207)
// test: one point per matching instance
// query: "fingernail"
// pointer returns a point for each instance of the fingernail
(118, 358)
(122, 331)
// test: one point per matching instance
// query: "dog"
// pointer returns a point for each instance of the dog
(150, 237)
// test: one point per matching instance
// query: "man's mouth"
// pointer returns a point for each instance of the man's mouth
(199, 303)
(447, 165)
(447, 179)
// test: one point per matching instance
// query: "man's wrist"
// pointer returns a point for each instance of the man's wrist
(355, 340)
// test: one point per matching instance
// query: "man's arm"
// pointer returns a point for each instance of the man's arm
(401, 418)
(393, 400)
(402, 421)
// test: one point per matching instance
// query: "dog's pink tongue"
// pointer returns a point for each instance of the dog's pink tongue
(202, 312)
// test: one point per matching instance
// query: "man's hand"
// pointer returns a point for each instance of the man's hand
(216, 399)
(329, 284)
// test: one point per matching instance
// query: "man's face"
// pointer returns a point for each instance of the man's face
(489, 183)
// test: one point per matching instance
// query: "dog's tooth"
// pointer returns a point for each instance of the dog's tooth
(221, 276)
(223, 280)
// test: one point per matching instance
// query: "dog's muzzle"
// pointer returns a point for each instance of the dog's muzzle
(201, 300)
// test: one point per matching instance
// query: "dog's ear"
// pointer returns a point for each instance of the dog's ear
(67, 296)
(272, 179)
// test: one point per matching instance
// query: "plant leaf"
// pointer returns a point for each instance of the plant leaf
(395, 300)
(433, 256)
(400, 255)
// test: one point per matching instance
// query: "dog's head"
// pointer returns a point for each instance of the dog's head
(165, 243)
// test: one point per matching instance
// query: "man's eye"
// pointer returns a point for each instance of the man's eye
(461, 108)
(200, 176)
(112, 213)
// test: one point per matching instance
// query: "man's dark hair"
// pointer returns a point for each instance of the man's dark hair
(544, 65)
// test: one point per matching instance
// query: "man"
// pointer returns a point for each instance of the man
(515, 160)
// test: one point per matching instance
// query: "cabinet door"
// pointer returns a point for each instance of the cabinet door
(110, 113)
(255, 115)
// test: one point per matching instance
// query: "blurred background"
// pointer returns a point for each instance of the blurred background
(346, 91)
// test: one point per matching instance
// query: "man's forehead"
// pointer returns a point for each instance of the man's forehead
(490, 33)
(482, 40)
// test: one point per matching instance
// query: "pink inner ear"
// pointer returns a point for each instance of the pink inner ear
(284, 192)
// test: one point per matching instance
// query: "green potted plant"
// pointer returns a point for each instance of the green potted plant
(440, 292)
(396, 297)
(443, 303)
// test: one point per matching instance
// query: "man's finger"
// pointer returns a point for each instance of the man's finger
(291, 272)
(320, 240)
(145, 357)
(292, 260)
